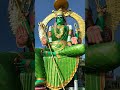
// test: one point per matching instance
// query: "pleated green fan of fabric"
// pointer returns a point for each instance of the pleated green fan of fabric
(39, 64)
(60, 72)
(27, 81)
(92, 81)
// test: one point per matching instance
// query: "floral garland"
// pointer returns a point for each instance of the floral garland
(21, 19)
(13, 16)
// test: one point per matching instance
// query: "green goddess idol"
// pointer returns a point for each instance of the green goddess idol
(57, 63)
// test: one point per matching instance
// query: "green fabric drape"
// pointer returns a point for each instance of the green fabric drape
(92, 81)
(39, 64)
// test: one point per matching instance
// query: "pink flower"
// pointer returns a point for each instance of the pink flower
(44, 41)
(74, 40)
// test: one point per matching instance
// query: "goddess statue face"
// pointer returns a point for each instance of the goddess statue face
(60, 20)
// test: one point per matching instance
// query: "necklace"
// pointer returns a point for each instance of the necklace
(58, 30)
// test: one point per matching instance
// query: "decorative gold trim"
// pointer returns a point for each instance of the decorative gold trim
(48, 19)
(55, 43)
(68, 13)
(80, 22)
(61, 41)
(65, 82)
(40, 78)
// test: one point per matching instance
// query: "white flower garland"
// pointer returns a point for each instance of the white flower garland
(13, 16)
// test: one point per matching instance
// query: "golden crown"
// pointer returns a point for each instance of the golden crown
(59, 12)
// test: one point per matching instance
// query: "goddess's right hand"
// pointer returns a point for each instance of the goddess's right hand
(44, 41)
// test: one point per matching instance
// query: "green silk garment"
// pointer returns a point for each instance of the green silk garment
(60, 61)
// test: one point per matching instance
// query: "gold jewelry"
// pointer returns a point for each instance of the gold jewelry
(59, 29)
(58, 45)
(40, 79)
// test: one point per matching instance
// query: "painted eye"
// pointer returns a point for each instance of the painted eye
(59, 17)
